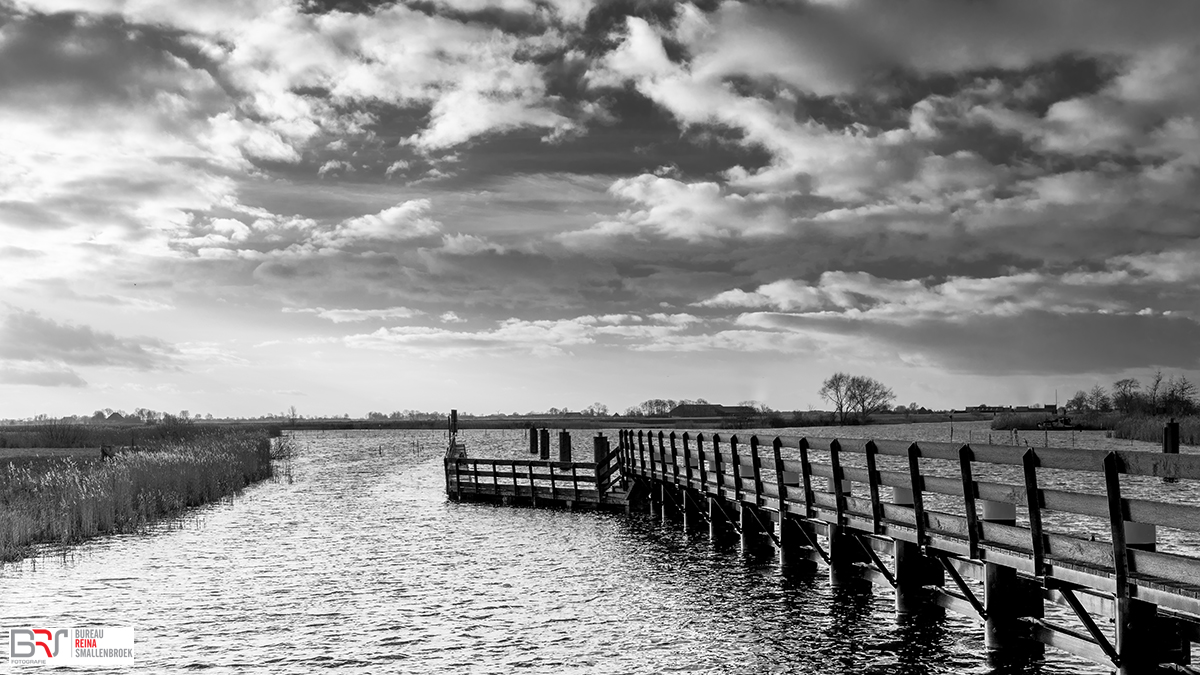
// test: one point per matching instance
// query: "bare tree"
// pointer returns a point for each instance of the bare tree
(1154, 392)
(1097, 399)
(1180, 396)
(596, 410)
(836, 391)
(1125, 395)
(1078, 402)
(867, 396)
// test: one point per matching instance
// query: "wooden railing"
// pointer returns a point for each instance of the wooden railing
(938, 491)
(535, 481)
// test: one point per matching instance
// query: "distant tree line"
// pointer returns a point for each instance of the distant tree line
(1174, 395)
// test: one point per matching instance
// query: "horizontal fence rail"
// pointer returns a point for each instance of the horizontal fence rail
(974, 512)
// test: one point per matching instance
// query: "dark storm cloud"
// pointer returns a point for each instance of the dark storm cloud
(72, 59)
(1032, 343)
(26, 336)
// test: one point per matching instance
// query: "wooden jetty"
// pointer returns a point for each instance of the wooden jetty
(596, 484)
(944, 536)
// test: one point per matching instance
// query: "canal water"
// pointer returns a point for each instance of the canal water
(353, 560)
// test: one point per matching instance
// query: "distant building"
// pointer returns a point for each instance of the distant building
(713, 415)
(712, 410)
(984, 408)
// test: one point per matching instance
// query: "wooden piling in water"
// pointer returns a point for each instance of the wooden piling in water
(544, 444)
(564, 446)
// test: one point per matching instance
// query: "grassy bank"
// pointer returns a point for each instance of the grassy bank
(1151, 429)
(63, 500)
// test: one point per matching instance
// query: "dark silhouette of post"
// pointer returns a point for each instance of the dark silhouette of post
(1171, 437)
(564, 446)
(544, 438)
(533, 440)
(1170, 443)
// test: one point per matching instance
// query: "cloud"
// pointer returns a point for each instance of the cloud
(355, 315)
(468, 244)
(550, 337)
(26, 336)
(19, 373)
(407, 220)
(1035, 343)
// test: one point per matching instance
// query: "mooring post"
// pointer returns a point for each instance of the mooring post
(844, 551)
(564, 446)
(1171, 443)
(600, 460)
(691, 503)
(718, 522)
(544, 438)
(533, 440)
(1143, 639)
(1007, 597)
(911, 569)
(791, 540)
(1171, 437)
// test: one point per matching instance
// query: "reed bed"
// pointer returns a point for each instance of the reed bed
(1151, 428)
(65, 502)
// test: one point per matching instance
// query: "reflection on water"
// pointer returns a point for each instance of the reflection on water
(360, 563)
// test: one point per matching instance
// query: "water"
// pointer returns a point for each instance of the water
(359, 563)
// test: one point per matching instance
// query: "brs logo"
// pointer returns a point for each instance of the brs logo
(23, 642)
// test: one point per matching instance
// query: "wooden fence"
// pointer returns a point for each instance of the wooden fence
(953, 515)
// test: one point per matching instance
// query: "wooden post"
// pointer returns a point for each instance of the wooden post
(844, 552)
(1171, 443)
(1139, 638)
(564, 446)
(790, 539)
(544, 444)
(1007, 597)
(600, 459)
(691, 502)
(641, 453)
(533, 440)
(752, 530)
(908, 565)
(753, 520)
(1171, 437)
(718, 523)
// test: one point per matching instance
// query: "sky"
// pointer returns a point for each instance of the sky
(237, 206)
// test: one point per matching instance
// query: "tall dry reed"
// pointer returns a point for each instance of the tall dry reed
(1144, 428)
(65, 502)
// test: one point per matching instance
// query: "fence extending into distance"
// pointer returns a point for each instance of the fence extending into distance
(991, 532)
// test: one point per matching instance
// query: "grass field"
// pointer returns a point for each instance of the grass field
(66, 495)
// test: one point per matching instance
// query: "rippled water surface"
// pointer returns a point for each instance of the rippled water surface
(358, 562)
